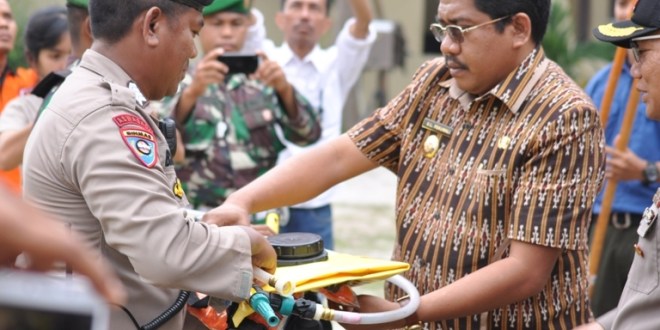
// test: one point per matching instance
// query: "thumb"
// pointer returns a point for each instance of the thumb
(262, 55)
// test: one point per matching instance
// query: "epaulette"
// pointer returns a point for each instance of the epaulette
(52, 80)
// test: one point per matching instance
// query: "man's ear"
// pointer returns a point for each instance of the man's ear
(521, 28)
(153, 22)
(325, 25)
(86, 30)
(280, 20)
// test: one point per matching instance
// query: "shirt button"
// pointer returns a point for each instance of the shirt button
(639, 250)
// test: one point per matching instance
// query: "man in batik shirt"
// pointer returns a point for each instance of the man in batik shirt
(499, 156)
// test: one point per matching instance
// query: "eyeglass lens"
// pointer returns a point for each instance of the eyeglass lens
(454, 32)
(635, 51)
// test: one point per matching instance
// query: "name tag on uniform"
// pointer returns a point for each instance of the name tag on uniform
(648, 219)
(437, 127)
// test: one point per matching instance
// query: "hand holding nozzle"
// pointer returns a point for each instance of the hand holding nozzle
(283, 287)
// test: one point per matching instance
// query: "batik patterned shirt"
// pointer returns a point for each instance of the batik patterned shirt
(522, 162)
(230, 136)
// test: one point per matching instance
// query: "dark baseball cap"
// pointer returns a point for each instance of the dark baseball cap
(645, 20)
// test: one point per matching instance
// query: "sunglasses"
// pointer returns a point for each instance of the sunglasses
(635, 47)
(455, 32)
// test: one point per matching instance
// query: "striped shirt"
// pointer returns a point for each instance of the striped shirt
(522, 162)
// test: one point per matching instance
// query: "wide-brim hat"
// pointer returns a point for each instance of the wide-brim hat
(645, 20)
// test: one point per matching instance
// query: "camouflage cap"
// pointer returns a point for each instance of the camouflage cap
(197, 4)
(237, 6)
(78, 3)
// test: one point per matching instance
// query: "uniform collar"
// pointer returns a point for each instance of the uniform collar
(514, 89)
(315, 56)
(112, 73)
(104, 67)
(235, 81)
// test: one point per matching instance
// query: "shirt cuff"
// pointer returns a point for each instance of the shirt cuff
(345, 35)
(240, 282)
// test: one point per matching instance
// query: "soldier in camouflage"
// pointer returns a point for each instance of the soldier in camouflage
(228, 123)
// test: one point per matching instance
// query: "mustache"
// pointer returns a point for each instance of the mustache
(453, 62)
(303, 24)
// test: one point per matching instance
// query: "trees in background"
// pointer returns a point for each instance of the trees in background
(580, 60)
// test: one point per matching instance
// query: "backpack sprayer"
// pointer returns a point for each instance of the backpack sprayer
(267, 304)
(279, 308)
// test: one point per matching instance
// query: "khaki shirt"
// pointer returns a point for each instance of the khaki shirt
(20, 112)
(640, 299)
(83, 165)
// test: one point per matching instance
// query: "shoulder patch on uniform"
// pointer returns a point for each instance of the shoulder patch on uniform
(139, 138)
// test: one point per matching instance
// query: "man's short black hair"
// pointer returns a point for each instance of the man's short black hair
(328, 5)
(537, 10)
(112, 19)
(77, 16)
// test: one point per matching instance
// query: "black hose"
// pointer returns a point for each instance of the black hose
(169, 313)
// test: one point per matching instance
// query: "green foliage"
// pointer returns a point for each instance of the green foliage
(579, 60)
(17, 57)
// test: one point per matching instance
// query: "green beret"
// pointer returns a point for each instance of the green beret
(78, 3)
(237, 6)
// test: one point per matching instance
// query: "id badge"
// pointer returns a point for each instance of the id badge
(648, 219)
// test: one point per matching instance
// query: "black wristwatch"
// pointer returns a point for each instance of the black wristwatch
(650, 173)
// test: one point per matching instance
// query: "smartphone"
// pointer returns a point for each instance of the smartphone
(246, 64)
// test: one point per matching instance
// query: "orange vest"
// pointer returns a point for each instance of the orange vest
(10, 87)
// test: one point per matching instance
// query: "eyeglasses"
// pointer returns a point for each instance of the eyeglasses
(635, 47)
(455, 32)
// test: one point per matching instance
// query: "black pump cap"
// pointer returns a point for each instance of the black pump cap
(298, 248)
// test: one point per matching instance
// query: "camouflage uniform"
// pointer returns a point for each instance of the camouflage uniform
(230, 136)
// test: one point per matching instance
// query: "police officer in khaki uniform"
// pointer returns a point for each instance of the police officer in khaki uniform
(97, 161)
(640, 300)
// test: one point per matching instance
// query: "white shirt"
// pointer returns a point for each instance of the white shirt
(324, 77)
(20, 112)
